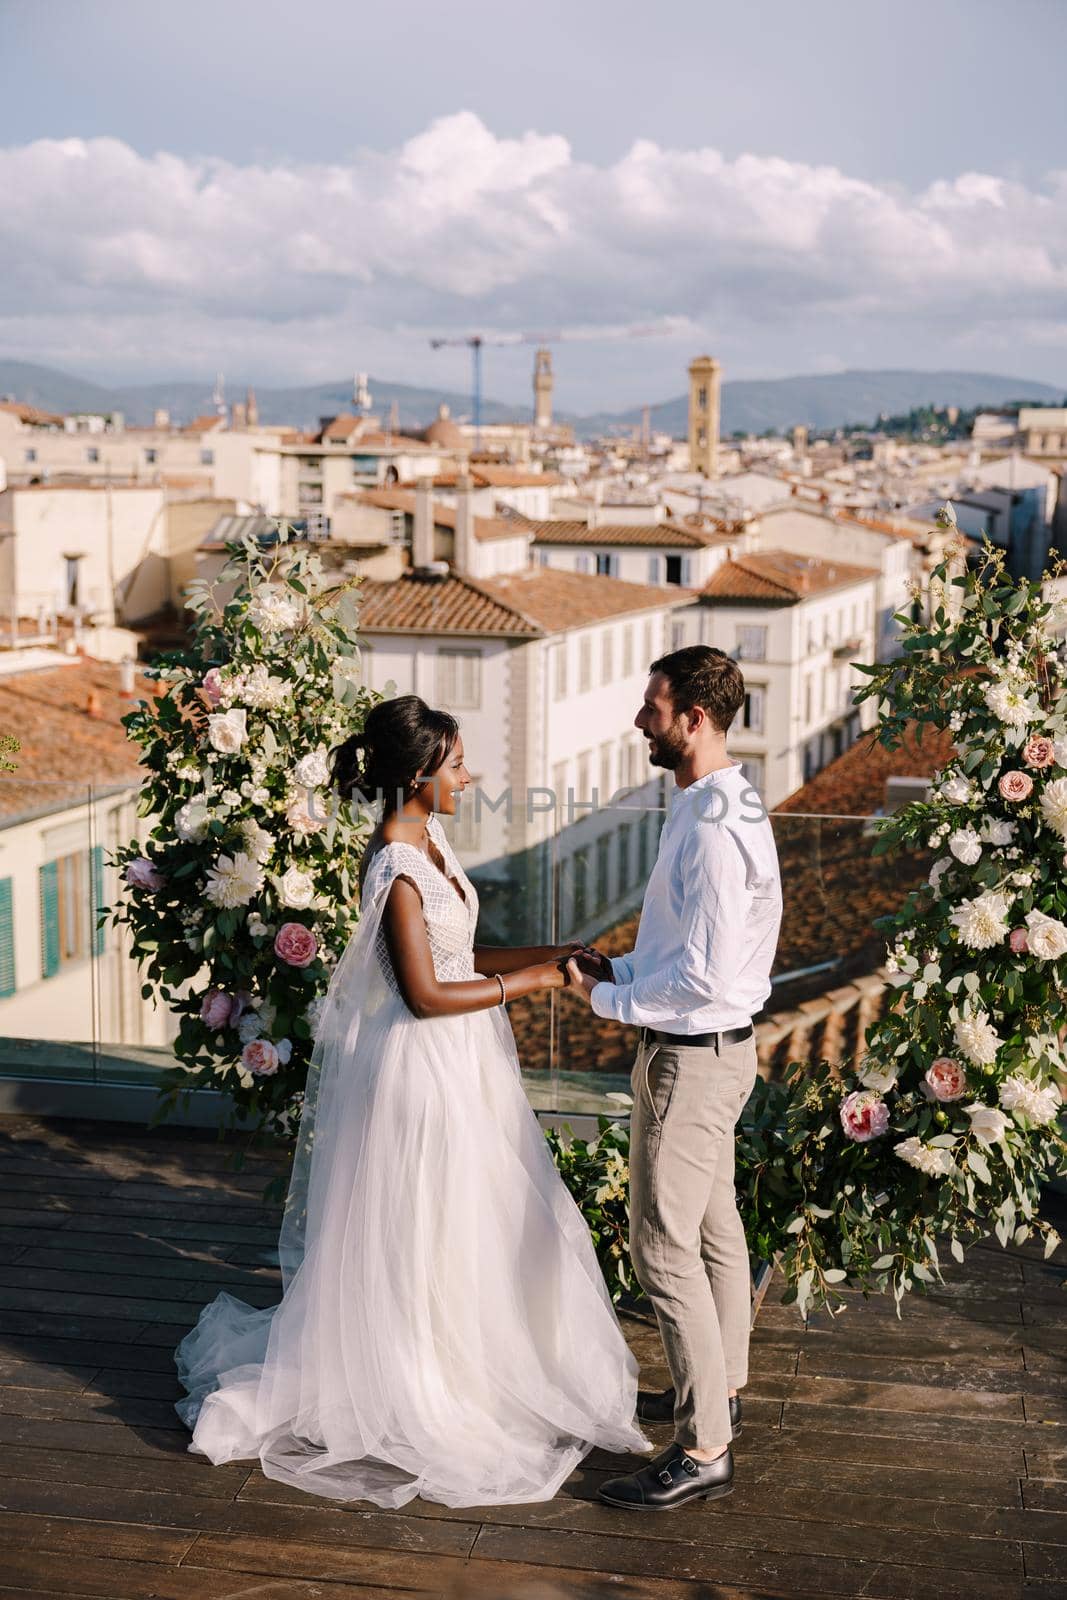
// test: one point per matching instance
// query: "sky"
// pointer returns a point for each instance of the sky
(292, 195)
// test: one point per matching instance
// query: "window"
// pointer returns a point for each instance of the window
(7, 939)
(607, 565)
(628, 651)
(580, 882)
(398, 527)
(585, 765)
(654, 569)
(207, 458)
(751, 643)
(67, 916)
(542, 558)
(603, 870)
(72, 566)
(752, 771)
(559, 783)
(583, 562)
(752, 710)
(674, 568)
(607, 656)
(607, 750)
(702, 397)
(559, 671)
(585, 663)
(459, 679)
(31, 455)
(92, 455)
(623, 857)
(151, 457)
(687, 571)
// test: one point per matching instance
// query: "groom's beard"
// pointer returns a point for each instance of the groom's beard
(667, 749)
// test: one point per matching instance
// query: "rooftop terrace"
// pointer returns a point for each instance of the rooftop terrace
(925, 1457)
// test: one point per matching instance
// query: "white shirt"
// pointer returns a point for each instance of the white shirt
(710, 918)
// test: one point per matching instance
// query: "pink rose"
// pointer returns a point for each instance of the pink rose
(1016, 785)
(212, 685)
(946, 1078)
(260, 1058)
(1039, 751)
(215, 1009)
(141, 874)
(1020, 944)
(864, 1115)
(295, 944)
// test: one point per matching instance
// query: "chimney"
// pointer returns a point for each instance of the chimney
(422, 534)
(463, 557)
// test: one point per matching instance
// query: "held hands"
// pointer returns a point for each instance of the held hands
(577, 966)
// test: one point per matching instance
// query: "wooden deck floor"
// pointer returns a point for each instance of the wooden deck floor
(926, 1457)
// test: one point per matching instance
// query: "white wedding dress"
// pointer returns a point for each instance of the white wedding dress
(444, 1329)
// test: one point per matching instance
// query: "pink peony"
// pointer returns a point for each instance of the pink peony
(295, 944)
(260, 1058)
(946, 1079)
(215, 1009)
(1039, 751)
(211, 684)
(864, 1115)
(1019, 942)
(141, 874)
(1016, 785)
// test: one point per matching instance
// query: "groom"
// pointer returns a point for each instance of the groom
(699, 971)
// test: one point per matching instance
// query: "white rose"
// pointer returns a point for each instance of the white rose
(260, 797)
(987, 1123)
(965, 845)
(873, 1075)
(1046, 937)
(227, 731)
(997, 830)
(272, 610)
(190, 822)
(297, 889)
(957, 789)
(258, 842)
(306, 814)
(1040, 1105)
(312, 770)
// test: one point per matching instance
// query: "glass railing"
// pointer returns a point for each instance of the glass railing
(71, 1002)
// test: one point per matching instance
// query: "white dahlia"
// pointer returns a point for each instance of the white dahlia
(1054, 805)
(983, 921)
(977, 1039)
(1007, 700)
(1041, 1106)
(272, 610)
(233, 880)
(934, 1160)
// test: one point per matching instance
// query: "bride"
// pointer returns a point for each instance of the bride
(444, 1329)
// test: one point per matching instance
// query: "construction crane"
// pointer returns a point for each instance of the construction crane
(477, 341)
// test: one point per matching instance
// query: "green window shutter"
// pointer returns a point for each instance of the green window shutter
(49, 881)
(96, 858)
(7, 939)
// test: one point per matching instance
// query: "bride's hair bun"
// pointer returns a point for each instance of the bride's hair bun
(402, 739)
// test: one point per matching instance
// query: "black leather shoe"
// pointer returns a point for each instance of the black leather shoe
(660, 1408)
(671, 1479)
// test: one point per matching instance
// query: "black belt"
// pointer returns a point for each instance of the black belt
(718, 1039)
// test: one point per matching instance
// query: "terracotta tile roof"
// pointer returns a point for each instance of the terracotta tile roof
(205, 424)
(854, 784)
(669, 535)
(777, 577)
(494, 477)
(63, 748)
(485, 528)
(899, 527)
(439, 605)
(31, 414)
(558, 600)
(343, 427)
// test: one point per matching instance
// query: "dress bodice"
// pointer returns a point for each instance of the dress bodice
(450, 921)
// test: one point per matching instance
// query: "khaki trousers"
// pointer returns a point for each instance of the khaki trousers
(686, 1237)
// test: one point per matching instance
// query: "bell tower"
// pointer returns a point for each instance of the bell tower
(704, 380)
(542, 383)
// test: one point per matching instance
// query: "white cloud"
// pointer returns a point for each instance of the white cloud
(157, 263)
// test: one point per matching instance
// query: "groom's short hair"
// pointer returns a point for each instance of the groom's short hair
(700, 675)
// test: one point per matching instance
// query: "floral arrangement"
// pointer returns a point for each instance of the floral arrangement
(949, 1124)
(244, 893)
(597, 1173)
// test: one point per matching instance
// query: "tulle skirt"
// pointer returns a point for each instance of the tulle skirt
(448, 1333)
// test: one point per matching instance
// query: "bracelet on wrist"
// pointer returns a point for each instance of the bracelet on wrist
(503, 991)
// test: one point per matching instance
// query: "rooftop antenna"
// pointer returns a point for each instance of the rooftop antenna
(361, 393)
(218, 394)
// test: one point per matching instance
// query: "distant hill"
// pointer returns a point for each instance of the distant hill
(832, 400)
(825, 400)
